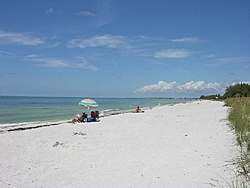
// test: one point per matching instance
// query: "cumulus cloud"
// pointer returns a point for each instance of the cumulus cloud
(172, 53)
(190, 39)
(199, 86)
(246, 82)
(105, 40)
(20, 39)
(189, 87)
(160, 87)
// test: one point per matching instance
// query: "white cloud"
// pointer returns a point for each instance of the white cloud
(53, 45)
(198, 86)
(210, 56)
(230, 61)
(105, 40)
(190, 39)
(246, 82)
(172, 53)
(85, 64)
(61, 64)
(19, 38)
(53, 63)
(86, 13)
(105, 13)
(160, 87)
(50, 10)
(4, 54)
(189, 87)
(32, 56)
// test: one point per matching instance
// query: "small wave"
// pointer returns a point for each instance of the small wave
(108, 110)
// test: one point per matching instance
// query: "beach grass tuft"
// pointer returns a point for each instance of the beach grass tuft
(239, 118)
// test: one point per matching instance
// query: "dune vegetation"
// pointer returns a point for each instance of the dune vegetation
(239, 117)
(237, 97)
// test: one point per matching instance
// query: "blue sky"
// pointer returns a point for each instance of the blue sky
(118, 48)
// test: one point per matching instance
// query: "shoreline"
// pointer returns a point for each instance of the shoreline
(36, 110)
(39, 124)
(181, 145)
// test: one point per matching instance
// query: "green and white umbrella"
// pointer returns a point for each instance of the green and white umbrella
(88, 103)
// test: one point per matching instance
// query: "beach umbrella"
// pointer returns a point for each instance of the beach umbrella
(88, 103)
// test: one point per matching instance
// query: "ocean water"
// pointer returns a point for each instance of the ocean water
(25, 110)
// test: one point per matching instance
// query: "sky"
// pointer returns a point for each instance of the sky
(123, 48)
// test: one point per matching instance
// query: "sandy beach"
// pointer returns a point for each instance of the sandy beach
(183, 145)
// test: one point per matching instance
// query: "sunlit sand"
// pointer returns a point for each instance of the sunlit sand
(184, 145)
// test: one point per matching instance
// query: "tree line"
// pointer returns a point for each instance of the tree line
(238, 90)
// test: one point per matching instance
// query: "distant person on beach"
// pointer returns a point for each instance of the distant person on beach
(138, 110)
(80, 118)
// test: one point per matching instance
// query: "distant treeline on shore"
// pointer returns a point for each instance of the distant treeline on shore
(238, 90)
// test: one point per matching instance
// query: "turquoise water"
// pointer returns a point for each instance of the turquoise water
(33, 109)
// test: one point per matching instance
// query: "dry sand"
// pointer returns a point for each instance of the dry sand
(185, 145)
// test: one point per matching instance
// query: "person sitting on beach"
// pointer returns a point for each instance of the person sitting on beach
(92, 117)
(138, 110)
(97, 115)
(80, 118)
(83, 118)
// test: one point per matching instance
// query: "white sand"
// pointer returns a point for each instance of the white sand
(185, 145)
